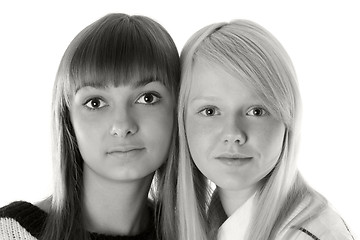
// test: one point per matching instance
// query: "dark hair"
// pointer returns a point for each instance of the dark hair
(114, 50)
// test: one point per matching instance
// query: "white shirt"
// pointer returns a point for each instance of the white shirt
(238, 222)
(327, 226)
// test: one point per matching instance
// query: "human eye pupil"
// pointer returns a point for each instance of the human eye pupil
(148, 98)
(95, 103)
(257, 112)
(209, 111)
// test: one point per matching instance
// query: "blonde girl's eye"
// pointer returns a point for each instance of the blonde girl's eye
(210, 111)
(257, 112)
(149, 98)
(95, 103)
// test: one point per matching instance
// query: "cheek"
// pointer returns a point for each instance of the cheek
(160, 131)
(199, 138)
(89, 133)
(271, 141)
(157, 130)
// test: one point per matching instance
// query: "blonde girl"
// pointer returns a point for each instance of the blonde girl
(239, 127)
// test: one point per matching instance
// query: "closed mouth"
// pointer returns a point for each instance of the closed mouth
(124, 149)
(124, 152)
(233, 159)
(232, 156)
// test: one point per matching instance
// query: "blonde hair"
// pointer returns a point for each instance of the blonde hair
(253, 55)
(109, 51)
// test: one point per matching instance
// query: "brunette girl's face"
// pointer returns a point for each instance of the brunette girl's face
(233, 139)
(123, 133)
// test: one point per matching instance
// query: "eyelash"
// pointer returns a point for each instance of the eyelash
(263, 111)
(91, 108)
(203, 111)
(156, 98)
(153, 95)
(217, 112)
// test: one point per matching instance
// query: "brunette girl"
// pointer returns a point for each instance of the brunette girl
(113, 123)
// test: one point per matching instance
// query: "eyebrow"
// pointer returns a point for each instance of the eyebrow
(203, 98)
(92, 85)
(141, 83)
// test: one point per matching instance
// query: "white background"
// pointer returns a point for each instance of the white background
(321, 37)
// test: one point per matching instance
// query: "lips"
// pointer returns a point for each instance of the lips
(233, 156)
(233, 159)
(125, 149)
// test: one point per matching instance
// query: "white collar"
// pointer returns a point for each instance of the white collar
(237, 223)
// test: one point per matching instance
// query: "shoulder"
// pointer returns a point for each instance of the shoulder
(326, 225)
(21, 220)
(314, 218)
(329, 225)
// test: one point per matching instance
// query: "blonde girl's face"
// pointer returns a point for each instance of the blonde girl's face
(232, 137)
(123, 133)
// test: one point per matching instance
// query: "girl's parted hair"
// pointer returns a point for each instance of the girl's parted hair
(114, 50)
(254, 56)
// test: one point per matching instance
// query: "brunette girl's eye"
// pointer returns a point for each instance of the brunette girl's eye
(148, 98)
(95, 103)
(257, 112)
(210, 111)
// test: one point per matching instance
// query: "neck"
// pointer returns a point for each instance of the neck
(113, 207)
(231, 200)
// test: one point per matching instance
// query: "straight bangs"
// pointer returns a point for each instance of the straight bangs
(120, 50)
(246, 55)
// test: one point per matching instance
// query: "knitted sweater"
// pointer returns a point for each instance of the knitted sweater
(25, 221)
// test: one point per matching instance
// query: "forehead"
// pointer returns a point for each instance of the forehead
(213, 81)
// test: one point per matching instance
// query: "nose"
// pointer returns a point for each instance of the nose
(234, 133)
(124, 124)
